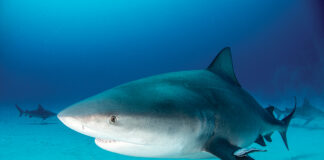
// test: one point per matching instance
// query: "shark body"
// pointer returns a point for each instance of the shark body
(188, 114)
(306, 111)
(40, 112)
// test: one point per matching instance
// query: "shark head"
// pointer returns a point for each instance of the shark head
(122, 120)
(103, 117)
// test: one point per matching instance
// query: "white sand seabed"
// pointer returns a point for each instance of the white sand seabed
(25, 139)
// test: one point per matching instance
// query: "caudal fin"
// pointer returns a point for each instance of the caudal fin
(285, 123)
(21, 112)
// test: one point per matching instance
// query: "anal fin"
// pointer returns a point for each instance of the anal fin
(260, 141)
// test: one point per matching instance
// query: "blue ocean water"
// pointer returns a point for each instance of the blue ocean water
(56, 53)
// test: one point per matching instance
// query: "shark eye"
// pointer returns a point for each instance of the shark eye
(113, 119)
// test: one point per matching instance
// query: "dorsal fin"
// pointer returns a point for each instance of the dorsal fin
(40, 108)
(223, 66)
(270, 110)
(306, 103)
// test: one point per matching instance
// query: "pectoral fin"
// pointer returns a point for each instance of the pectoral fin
(224, 150)
(308, 121)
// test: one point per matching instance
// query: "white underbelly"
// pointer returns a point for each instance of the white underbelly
(153, 151)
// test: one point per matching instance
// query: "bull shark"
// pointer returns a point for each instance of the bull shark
(40, 112)
(307, 112)
(188, 114)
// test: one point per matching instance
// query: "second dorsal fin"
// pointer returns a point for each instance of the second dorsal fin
(223, 66)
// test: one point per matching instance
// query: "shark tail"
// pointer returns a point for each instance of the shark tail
(21, 112)
(285, 123)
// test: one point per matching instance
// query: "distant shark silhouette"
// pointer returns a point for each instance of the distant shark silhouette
(306, 112)
(40, 112)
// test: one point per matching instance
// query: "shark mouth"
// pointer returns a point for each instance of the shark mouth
(106, 141)
(113, 141)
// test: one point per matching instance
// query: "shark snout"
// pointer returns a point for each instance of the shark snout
(71, 121)
(80, 119)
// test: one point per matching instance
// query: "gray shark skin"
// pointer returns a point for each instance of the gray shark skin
(40, 112)
(188, 114)
(307, 112)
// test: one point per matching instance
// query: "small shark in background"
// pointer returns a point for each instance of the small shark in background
(306, 112)
(40, 112)
(188, 114)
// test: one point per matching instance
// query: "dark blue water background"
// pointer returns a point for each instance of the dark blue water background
(57, 51)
